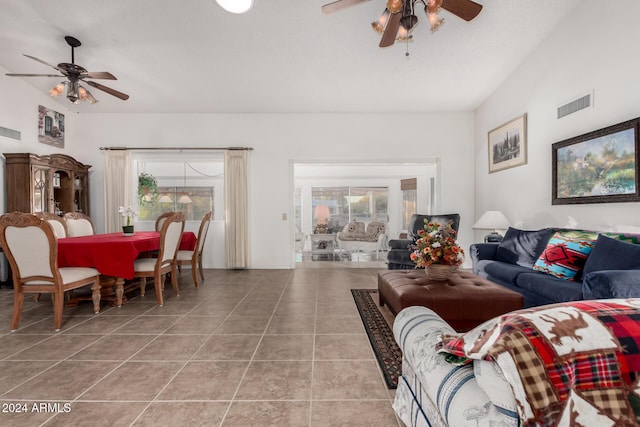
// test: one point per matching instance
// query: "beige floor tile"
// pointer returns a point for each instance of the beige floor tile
(134, 381)
(339, 325)
(228, 347)
(196, 381)
(204, 325)
(351, 413)
(285, 347)
(148, 325)
(337, 309)
(98, 414)
(291, 325)
(266, 414)
(63, 382)
(276, 380)
(296, 308)
(192, 414)
(99, 325)
(13, 373)
(114, 347)
(15, 343)
(57, 347)
(171, 347)
(329, 347)
(340, 380)
(245, 324)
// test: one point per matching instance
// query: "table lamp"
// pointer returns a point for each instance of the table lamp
(492, 220)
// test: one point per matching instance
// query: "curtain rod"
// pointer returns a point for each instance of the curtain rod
(175, 148)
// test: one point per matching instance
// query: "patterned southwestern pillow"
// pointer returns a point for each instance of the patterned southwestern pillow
(565, 254)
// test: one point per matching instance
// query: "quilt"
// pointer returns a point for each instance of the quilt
(568, 364)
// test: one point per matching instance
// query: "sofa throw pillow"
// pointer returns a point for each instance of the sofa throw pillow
(613, 254)
(565, 254)
(523, 247)
(375, 229)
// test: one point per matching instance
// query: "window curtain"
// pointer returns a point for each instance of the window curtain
(117, 187)
(235, 201)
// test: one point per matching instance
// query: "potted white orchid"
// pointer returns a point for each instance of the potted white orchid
(127, 213)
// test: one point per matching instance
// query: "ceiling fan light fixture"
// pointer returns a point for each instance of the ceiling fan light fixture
(379, 25)
(85, 95)
(395, 6)
(58, 89)
(235, 6)
(431, 9)
(73, 91)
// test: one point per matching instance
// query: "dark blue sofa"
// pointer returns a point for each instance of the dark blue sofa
(610, 270)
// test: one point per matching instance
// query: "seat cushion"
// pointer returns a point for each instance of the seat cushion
(502, 271)
(184, 255)
(553, 288)
(144, 264)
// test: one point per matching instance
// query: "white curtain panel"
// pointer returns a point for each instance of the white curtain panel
(117, 187)
(236, 215)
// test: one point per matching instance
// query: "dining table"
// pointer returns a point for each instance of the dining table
(113, 254)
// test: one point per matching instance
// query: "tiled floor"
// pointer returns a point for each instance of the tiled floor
(248, 348)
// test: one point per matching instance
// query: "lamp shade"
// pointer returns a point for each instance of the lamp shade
(322, 212)
(235, 6)
(492, 220)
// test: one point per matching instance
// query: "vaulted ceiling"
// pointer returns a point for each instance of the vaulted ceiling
(282, 56)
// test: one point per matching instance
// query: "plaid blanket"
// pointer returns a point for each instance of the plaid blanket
(569, 364)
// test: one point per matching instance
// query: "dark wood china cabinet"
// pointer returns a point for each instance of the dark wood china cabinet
(56, 183)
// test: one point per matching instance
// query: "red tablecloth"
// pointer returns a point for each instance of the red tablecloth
(113, 254)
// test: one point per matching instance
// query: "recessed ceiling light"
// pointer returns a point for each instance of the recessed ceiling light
(235, 6)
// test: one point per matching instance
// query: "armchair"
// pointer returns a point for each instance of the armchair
(399, 256)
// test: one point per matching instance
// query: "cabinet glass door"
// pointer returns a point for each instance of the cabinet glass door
(40, 190)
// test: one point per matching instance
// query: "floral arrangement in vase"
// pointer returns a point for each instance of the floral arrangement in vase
(127, 213)
(436, 244)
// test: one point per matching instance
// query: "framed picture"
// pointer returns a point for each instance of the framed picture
(50, 127)
(508, 145)
(597, 167)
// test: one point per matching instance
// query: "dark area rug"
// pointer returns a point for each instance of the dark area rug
(380, 334)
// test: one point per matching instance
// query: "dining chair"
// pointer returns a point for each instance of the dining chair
(32, 250)
(160, 220)
(194, 257)
(56, 221)
(165, 262)
(79, 224)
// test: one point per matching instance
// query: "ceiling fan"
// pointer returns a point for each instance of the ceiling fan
(398, 19)
(75, 74)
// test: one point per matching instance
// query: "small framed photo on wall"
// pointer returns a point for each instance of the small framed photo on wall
(508, 144)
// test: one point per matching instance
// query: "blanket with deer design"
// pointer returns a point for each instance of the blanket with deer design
(568, 364)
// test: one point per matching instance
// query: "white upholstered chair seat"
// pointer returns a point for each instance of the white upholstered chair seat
(144, 264)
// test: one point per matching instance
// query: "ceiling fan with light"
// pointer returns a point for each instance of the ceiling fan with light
(75, 74)
(398, 18)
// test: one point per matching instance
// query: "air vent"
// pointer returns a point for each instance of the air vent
(10, 133)
(576, 105)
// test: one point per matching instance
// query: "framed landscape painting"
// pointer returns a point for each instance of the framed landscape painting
(508, 145)
(50, 127)
(597, 167)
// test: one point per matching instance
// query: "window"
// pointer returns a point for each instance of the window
(336, 206)
(193, 201)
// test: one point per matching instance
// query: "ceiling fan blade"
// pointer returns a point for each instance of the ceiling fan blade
(339, 5)
(100, 75)
(465, 9)
(44, 62)
(32, 75)
(391, 30)
(110, 91)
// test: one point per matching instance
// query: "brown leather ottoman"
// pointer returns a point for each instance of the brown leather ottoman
(464, 300)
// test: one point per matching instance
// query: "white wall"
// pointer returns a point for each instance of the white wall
(590, 50)
(280, 139)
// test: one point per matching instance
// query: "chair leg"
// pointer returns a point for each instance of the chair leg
(143, 285)
(174, 280)
(36, 297)
(194, 272)
(18, 302)
(200, 266)
(58, 307)
(157, 283)
(180, 268)
(95, 296)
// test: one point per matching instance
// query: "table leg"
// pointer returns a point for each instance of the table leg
(119, 291)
